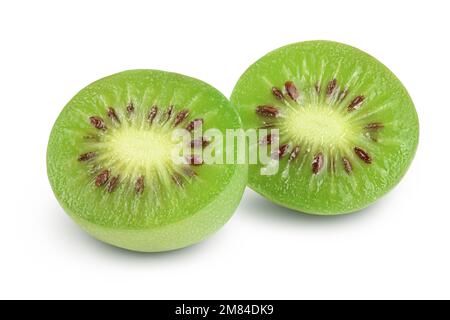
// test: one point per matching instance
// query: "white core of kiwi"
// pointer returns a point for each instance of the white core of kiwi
(143, 150)
(318, 126)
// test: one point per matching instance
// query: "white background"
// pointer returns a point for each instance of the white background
(398, 248)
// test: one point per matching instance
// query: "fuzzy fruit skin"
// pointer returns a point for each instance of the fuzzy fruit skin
(319, 195)
(176, 222)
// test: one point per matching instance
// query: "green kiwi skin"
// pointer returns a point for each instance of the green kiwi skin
(207, 203)
(299, 196)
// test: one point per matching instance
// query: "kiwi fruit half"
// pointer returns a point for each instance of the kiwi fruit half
(346, 127)
(110, 165)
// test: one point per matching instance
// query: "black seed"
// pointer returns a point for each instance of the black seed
(374, 126)
(356, 103)
(291, 90)
(152, 114)
(181, 116)
(168, 113)
(194, 124)
(277, 93)
(113, 183)
(139, 185)
(102, 178)
(98, 123)
(268, 139)
(281, 152)
(87, 156)
(347, 165)
(267, 111)
(317, 163)
(194, 160)
(363, 155)
(130, 108)
(331, 87)
(201, 142)
(113, 115)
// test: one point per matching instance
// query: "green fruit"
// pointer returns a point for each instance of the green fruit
(109, 161)
(348, 129)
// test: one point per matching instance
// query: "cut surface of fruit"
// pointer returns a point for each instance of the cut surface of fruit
(110, 161)
(347, 127)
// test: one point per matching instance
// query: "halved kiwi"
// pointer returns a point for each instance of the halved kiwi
(348, 129)
(110, 161)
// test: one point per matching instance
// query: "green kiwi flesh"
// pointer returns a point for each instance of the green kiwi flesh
(348, 130)
(109, 165)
